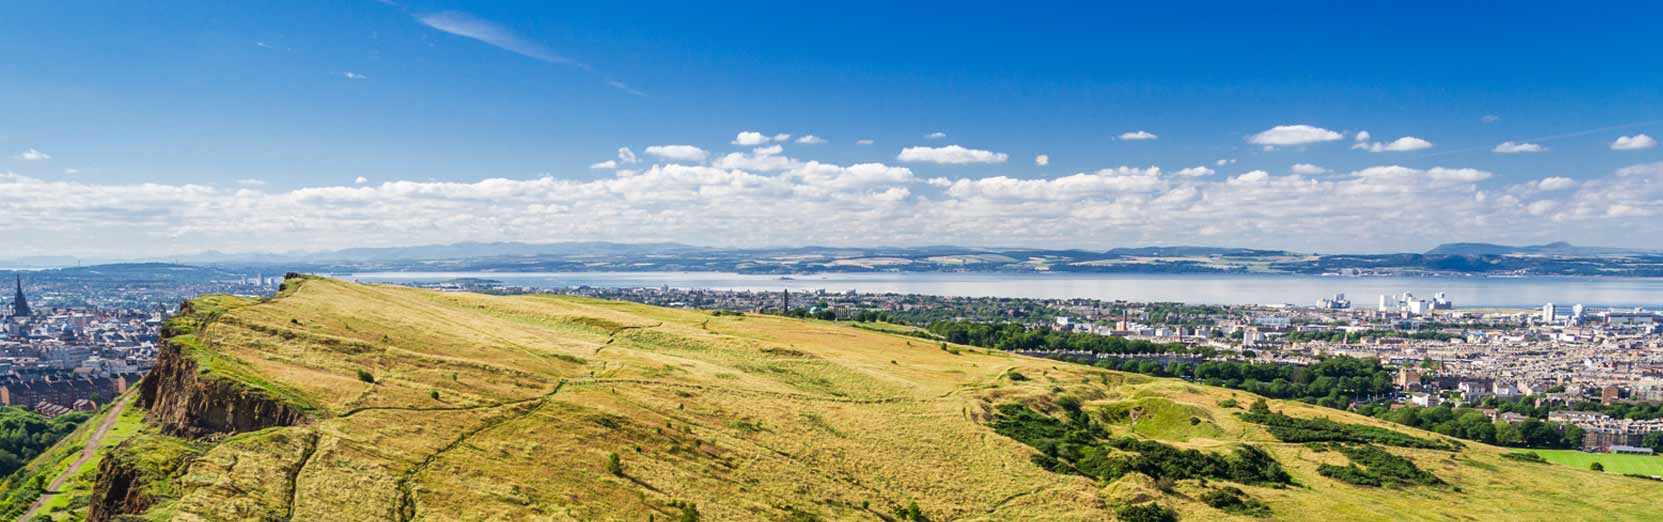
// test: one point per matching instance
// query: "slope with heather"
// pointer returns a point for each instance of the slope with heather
(338, 401)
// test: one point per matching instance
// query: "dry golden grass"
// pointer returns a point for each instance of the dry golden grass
(746, 417)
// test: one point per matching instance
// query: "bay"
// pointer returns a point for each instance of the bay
(1232, 289)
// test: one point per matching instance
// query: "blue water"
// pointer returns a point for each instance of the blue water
(1202, 289)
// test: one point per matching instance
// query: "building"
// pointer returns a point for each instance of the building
(1549, 312)
(20, 304)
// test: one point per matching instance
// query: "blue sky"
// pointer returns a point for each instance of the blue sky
(286, 97)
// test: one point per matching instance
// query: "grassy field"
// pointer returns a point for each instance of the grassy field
(1649, 465)
(513, 408)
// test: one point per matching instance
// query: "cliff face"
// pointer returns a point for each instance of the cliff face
(188, 405)
(185, 403)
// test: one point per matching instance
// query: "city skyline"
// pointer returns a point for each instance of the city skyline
(397, 123)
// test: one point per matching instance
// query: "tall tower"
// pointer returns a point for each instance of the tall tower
(20, 306)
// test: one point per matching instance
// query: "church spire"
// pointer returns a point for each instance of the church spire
(20, 306)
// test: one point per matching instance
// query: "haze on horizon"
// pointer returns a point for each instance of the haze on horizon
(1316, 128)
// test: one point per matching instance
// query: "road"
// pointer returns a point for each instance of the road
(87, 451)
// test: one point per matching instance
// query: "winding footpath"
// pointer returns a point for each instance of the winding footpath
(86, 453)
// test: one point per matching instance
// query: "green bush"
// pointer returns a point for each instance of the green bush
(366, 376)
(1146, 513)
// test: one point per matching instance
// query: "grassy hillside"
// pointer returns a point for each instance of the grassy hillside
(421, 405)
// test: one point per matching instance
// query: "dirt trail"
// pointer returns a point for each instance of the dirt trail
(86, 453)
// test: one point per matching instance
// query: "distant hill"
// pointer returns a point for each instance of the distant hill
(337, 401)
(1559, 248)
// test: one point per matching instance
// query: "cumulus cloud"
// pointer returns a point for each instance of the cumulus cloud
(1195, 172)
(687, 153)
(950, 155)
(360, 180)
(251, 182)
(1512, 147)
(1293, 135)
(1307, 169)
(810, 139)
(761, 159)
(782, 137)
(605, 165)
(824, 203)
(936, 136)
(1403, 144)
(33, 155)
(750, 138)
(1042, 160)
(1635, 142)
(1138, 136)
(1554, 183)
(627, 156)
(1362, 136)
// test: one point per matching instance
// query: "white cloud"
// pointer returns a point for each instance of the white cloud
(1292, 135)
(749, 138)
(1511, 147)
(1226, 161)
(33, 155)
(627, 156)
(467, 26)
(864, 141)
(605, 165)
(1138, 136)
(1554, 183)
(1195, 172)
(810, 139)
(1403, 144)
(782, 137)
(950, 155)
(1042, 160)
(935, 136)
(1362, 136)
(1307, 169)
(767, 151)
(360, 180)
(354, 76)
(1102, 183)
(820, 203)
(678, 152)
(761, 159)
(1635, 142)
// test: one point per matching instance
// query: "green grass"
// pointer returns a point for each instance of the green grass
(1650, 465)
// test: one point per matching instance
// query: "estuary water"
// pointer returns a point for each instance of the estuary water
(1235, 289)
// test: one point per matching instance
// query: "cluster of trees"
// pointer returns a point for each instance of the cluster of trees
(25, 434)
(1371, 466)
(1472, 424)
(1082, 446)
(1323, 430)
(826, 313)
(1015, 336)
(1337, 336)
(1335, 382)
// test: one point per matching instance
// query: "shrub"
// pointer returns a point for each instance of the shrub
(613, 465)
(433, 393)
(1596, 466)
(1146, 513)
(366, 376)
(1527, 456)
(1234, 500)
(1293, 429)
(911, 513)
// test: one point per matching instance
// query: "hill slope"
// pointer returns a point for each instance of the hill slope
(336, 401)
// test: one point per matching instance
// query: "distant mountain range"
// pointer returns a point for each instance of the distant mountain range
(1560, 248)
(1455, 258)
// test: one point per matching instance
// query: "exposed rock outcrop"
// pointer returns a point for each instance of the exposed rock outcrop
(186, 403)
